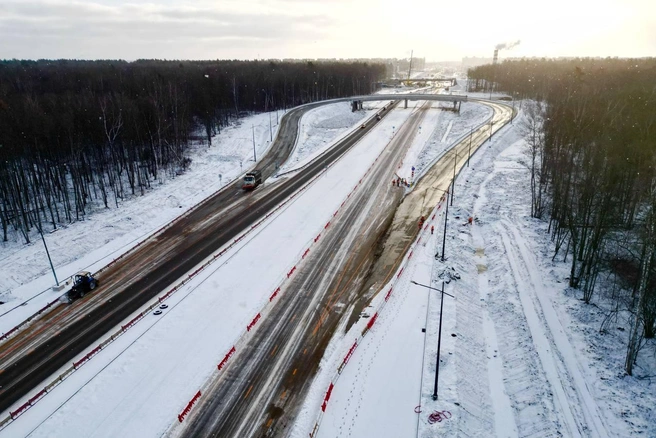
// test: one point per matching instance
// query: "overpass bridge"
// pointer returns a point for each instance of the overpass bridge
(452, 81)
(456, 99)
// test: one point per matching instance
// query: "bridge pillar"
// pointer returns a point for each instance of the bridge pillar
(406, 104)
(356, 105)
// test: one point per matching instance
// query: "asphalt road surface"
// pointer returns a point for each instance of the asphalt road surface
(54, 340)
(261, 392)
(263, 388)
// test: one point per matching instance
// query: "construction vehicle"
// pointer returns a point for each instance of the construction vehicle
(83, 282)
(252, 180)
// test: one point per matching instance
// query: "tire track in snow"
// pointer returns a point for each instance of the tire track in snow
(594, 419)
(547, 334)
(448, 130)
(527, 388)
(504, 420)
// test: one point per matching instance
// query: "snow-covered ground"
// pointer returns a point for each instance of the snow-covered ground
(138, 384)
(520, 355)
(25, 275)
(439, 131)
(322, 127)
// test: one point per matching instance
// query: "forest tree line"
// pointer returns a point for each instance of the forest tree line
(591, 135)
(75, 132)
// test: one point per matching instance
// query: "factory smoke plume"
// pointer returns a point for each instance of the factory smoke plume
(507, 45)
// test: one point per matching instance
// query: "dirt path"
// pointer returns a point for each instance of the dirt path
(421, 200)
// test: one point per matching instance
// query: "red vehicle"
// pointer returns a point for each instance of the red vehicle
(252, 180)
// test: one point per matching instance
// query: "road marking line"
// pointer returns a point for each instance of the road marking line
(294, 373)
(274, 350)
(249, 391)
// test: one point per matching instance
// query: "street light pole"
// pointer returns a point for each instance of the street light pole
(439, 344)
(254, 157)
(48, 254)
(453, 181)
(439, 333)
(270, 132)
(512, 115)
(471, 133)
(446, 217)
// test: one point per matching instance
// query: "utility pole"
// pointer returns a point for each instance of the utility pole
(48, 254)
(453, 181)
(446, 217)
(512, 114)
(410, 69)
(270, 132)
(439, 333)
(471, 133)
(254, 157)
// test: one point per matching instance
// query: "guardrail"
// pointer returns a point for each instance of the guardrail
(372, 321)
(251, 327)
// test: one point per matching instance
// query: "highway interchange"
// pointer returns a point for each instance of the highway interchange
(282, 356)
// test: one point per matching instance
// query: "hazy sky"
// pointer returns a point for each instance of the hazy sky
(247, 29)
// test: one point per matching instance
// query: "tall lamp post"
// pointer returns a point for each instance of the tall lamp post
(446, 216)
(439, 333)
(254, 157)
(471, 134)
(48, 254)
(453, 181)
(512, 113)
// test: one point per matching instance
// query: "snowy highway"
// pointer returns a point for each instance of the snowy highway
(52, 340)
(248, 346)
(262, 390)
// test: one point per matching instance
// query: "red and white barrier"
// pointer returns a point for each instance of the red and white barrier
(370, 324)
(327, 397)
(187, 409)
(227, 357)
(29, 319)
(253, 322)
(274, 294)
(251, 326)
